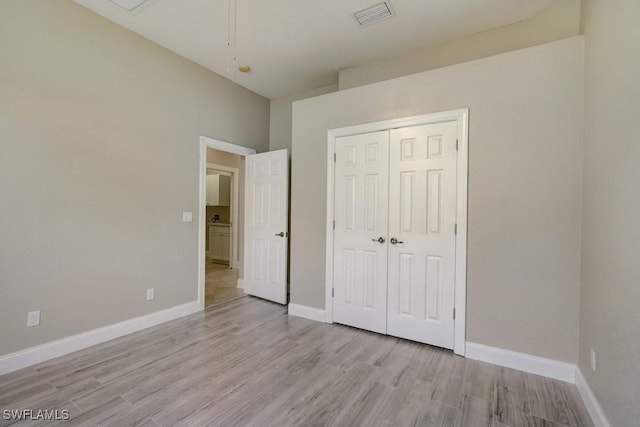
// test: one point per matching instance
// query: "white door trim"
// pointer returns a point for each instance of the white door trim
(206, 142)
(235, 174)
(462, 117)
(537, 365)
(217, 144)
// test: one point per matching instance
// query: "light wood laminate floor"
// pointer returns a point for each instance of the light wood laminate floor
(247, 363)
(220, 283)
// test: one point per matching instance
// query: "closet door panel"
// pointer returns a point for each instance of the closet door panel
(422, 215)
(360, 237)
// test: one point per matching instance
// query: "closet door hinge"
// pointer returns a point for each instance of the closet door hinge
(455, 229)
(454, 312)
(334, 224)
(333, 292)
(456, 145)
(335, 157)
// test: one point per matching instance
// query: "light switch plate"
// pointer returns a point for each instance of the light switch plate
(150, 294)
(187, 216)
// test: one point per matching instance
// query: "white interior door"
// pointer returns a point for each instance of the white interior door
(361, 221)
(422, 221)
(266, 225)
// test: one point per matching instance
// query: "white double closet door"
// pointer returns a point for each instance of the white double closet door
(394, 239)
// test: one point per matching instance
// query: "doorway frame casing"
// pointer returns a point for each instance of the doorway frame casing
(216, 144)
(461, 116)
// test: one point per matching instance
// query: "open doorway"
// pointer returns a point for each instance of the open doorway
(221, 221)
(221, 267)
(262, 232)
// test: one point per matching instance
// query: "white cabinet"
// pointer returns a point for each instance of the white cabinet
(219, 242)
(218, 190)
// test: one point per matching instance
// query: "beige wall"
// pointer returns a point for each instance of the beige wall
(610, 306)
(110, 123)
(524, 187)
(558, 21)
(280, 130)
(280, 121)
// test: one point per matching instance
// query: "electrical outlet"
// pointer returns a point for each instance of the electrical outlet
(33, 318)
(150, 294)
(593, 360)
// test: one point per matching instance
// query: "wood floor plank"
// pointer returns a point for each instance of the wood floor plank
(16, 379)
(25, 394)
(309, 376)
(511, 403)
(215, 389)
(556, 401)
(243, 404)
(393, 372)
(480, 380)
(533, 421)
(246, 362)
(100, 413)
(435, 414)
(324, 407)
(310, 396)
(118, 346)
(530, 421)
(413, 407)
(147, 423)
(448, 383)
(424, 365)
(363, 410)
(475, 412)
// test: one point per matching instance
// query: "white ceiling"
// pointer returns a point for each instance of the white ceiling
(296, 45)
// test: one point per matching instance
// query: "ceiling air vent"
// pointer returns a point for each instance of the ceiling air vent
(132, 5)
(373, 14)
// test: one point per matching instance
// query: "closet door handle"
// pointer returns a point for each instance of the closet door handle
(395, 241)
(379, 240)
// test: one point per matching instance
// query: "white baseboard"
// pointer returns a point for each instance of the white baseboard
(595, 410)
(310, 313)
(523, 362)
(240, 284)
(31, 356)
